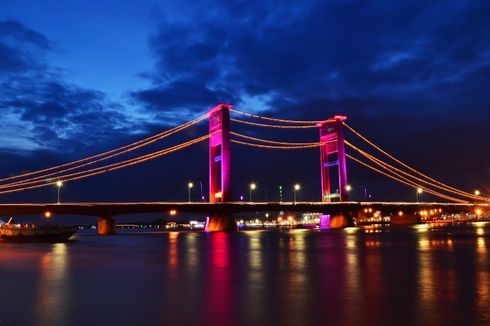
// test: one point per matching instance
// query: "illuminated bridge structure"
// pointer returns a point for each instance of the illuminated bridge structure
(337, 211)
(107, 211)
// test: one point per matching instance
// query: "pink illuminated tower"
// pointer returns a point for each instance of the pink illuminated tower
(219, 154)
(332, 135)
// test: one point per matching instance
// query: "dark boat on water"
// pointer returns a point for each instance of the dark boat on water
(36, 233)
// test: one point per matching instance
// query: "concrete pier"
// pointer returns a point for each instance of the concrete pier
(404, 219)
(106, 226)
(220, 222)
(338, 221)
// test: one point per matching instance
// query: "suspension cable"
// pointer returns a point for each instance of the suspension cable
(392, 170)
(391, 167)
(111, 167)
(112, 153)
(274, 146)
(256, 116)
(272, 126)
(277, 142)
(55, 174)
(398, 161)
(410, 184)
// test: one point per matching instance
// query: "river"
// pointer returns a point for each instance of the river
(413, 276)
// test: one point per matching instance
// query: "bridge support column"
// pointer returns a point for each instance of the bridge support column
(106, 226)
(337, 221)
(404, 219)
(220, 222)
(332, 137)
(219, 154)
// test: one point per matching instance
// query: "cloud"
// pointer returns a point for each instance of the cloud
(415, 71)
(41, 109)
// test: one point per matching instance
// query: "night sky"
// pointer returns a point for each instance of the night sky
(80, 77)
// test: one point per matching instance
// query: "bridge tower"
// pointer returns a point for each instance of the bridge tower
(332, 153)
(220, 166)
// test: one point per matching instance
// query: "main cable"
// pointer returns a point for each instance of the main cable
(401, 163)
(393, 168)
(111, 167)
(256, 116)
(274, 146)
(277, 142)
(410, 184)
(265, 125)
(123, 149)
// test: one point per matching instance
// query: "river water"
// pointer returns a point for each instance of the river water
(414, 276)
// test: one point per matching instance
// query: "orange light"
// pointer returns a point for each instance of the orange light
(173, 212)
(478, 211)
(400, 213)
(47, 214)
(218, 195)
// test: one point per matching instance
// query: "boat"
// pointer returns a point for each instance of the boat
(35, 233)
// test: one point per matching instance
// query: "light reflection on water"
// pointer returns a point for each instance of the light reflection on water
(290, 277)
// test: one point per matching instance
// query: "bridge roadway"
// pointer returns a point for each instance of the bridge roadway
(99, 209)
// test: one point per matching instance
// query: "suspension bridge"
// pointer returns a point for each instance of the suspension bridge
(335, 206)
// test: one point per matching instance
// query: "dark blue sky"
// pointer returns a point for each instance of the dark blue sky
(79, 77)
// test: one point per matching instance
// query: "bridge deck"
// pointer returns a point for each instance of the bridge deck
(100, 209)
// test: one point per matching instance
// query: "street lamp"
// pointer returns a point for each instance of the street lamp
(59, 184)
(189, 187)
(296, 188)
(419, 192)
(202, 195)
(252, 188)
(477, 192)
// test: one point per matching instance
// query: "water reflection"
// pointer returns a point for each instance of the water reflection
(293, 277)
(53, 288)
(219, 304)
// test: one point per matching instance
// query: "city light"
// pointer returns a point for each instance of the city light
(297, 187)
(173, 212)
(253, 186)
(418, 193)
(47, 214)
(189, 187)
(348, 188)
(477, 192)
(59, 184)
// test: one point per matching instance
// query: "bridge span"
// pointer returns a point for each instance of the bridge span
(223, 211)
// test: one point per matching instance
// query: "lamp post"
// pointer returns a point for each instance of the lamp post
(59, 184)
(202, 196)
(189, 187)
(252, 188)
(419, 192)
(295, 189)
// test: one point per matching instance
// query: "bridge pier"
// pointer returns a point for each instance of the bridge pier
(337, 221)
(220, 222)
(404, 219)
(106, 226)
